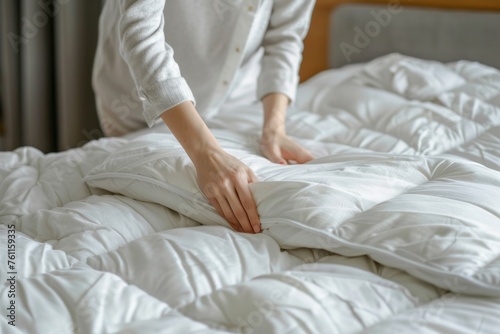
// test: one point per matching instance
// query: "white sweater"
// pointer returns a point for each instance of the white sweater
(237, 50)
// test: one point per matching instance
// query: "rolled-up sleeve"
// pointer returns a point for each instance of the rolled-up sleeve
(149, 58)
(283, 45)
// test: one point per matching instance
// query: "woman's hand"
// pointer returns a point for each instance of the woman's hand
(275, 144)
(279, 148)
(224, 180)
(221, 177)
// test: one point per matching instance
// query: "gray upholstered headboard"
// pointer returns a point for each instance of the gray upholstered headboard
(358, 34)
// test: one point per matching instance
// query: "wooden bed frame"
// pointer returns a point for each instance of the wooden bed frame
(316, 43)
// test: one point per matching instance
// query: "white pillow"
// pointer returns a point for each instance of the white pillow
(413, 78)
(437, 219)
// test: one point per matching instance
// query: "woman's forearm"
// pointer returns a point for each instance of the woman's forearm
(275, 106)
(190, 130)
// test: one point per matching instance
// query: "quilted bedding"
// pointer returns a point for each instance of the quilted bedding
(393, 228)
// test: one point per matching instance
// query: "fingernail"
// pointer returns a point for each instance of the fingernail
(256, 228)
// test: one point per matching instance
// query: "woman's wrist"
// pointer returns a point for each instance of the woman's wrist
(275, 106)
(206, 154)
(191, 132)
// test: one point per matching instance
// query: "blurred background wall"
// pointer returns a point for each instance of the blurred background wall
(47, 51)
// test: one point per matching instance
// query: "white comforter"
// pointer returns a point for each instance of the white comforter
(394, 228)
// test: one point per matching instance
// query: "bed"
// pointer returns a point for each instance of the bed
(393, 228)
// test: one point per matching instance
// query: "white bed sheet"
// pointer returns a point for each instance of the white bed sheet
(112, 257)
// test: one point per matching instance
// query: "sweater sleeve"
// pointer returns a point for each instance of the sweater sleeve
(283, 45)
(150, 59)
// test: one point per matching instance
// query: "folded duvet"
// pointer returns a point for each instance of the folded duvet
(436, 218)
(394, 227)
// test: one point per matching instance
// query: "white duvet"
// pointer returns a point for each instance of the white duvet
(393, 228)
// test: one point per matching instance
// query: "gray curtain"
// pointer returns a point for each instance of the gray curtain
(47, 52)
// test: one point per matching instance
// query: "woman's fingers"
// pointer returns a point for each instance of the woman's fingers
(300, 155)
(241, 201)
(281, 149)
(239, 212)
(273, 153)
(224, 181)
(235, 203)
(218, 207)
(247, 201)
(251, 177)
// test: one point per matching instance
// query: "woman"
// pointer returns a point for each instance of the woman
(237, 51)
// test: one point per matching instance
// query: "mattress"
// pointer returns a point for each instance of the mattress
(394, 227)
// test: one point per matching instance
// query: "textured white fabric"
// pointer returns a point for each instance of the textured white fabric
(224, 50)
(423, 203)
(394, 208)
